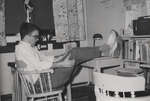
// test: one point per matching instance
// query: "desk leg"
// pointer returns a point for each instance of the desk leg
(69, 96)
(147, 79)
(145, 75)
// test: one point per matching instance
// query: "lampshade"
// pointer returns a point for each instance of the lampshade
(97, 36)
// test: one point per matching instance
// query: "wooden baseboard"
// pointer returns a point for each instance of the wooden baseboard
(6, 97)
(80, 84)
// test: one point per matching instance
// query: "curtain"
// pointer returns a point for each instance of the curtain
(69, 20)
(2, 23)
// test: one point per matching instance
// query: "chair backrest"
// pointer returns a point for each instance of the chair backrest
(36, 82)
(105, 83)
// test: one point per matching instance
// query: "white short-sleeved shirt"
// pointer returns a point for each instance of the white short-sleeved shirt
(33, 59)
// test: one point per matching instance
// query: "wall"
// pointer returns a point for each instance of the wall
(104, 16)
(6, 78)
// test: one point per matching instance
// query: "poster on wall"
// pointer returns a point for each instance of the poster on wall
(69, 19)
(2, 23)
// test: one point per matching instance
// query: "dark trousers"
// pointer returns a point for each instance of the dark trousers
(65, 75)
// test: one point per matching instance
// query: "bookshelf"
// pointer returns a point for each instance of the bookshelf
(136, 51)
(136, 48)
(136, 36)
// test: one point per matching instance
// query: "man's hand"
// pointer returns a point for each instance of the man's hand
(60, 57)
(67, 62)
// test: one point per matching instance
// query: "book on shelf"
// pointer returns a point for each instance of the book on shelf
(145, 53)
(125, 51)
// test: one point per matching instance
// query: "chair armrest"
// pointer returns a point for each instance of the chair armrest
(12, 65)
(38, 72)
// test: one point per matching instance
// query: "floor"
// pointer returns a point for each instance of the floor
(82, 93)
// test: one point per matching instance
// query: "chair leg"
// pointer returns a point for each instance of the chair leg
(69, 96)
(32, 99)
(60, 97)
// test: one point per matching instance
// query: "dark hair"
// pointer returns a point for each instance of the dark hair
(27, 28)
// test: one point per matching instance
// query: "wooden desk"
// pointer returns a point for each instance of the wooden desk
(103, 63)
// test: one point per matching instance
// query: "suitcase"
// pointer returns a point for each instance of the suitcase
(141, 26)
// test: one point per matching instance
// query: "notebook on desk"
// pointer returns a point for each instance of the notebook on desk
(103, 63)
(128, 71)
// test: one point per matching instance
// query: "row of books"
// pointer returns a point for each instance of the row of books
(136, 50)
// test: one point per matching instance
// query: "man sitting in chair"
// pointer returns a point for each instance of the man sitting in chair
(65, 67)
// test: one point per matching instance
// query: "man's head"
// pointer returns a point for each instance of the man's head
(29, 33)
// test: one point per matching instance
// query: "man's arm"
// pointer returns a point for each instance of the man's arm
(64, 61)
(28, 57)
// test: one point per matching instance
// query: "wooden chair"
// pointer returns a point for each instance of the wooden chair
(38, 86)
(21, 79)
(119, 88)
